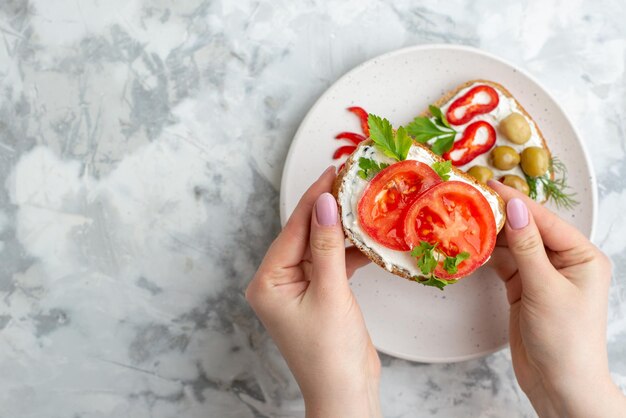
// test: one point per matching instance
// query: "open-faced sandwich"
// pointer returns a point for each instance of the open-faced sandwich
(412, 212)
(414, 200)
(483, 130)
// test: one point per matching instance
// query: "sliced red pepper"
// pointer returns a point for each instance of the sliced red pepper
(463, 109)
(471, 145)
(353, 137)
(345, 150)
(362, 114)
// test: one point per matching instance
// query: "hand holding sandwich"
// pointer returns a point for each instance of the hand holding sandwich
(557, 284)
(302, 296)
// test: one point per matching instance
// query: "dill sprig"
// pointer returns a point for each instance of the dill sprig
(555, 189)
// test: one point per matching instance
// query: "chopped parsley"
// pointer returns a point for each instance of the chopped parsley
(427, 261)
(443, 169)
(369, 168)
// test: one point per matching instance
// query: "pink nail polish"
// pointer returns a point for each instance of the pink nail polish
(517, 213)
(326, 210)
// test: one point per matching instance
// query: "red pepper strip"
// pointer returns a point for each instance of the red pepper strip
(345, 150)
(466, 149)
(352, 137)
(341, 167)
(362, 114)
(467, 101)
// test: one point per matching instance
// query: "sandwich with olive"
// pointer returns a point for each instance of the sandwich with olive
(484, 131)
(415, 199)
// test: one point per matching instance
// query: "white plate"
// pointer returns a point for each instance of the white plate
(405, 319)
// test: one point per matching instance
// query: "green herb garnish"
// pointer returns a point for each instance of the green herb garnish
(443, 169)
(434, 281)
(532, 186)
(555, 189)
(442, 145)
(394, 145)
(369, 168)
(427, 263)
(423, 129)
(451, 264)
(425, 254)
(440, 118)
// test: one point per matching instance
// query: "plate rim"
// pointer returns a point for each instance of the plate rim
(459, 48)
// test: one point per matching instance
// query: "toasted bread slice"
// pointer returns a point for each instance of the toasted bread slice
(449, 97)
(346, 194)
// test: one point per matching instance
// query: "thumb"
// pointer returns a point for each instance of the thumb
(328, 253)
(526, 246)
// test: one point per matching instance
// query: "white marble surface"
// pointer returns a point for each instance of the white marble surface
(141, 148)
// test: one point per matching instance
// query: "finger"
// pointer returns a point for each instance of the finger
(355, 259)
(514, 289)
(306, 268)
(526, 247)
(571, 257)
(328, 252)
(501, 240)
(289, 247)
(307, 253)
(557, 234)
(503, 263)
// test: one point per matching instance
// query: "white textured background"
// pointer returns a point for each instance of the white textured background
(141, 148)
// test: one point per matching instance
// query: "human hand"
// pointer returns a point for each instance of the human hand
(301, 294)
(557, 284)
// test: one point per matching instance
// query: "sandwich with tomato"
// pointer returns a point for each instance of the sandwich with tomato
(415, 199)
(412, 212)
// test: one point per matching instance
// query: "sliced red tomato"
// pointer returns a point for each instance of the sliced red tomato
(477, 139)
(457, 217)
(386, 198)
(478, 100)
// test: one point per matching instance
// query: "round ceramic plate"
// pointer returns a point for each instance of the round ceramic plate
(405, 319)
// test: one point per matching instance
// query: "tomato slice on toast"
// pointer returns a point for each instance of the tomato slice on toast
(384, 202)
(457, 218)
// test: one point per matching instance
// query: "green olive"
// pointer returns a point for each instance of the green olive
(480, 173)
(535, 161)
(516, 182)
(516, 128)
(504, 157)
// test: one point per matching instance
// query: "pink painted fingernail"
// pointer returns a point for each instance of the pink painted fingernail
(517, 213)
(326, 209)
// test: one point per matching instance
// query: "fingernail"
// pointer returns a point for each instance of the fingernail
(517, 213)
(326, 209)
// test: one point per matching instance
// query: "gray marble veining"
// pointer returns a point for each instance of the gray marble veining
(141, 148)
